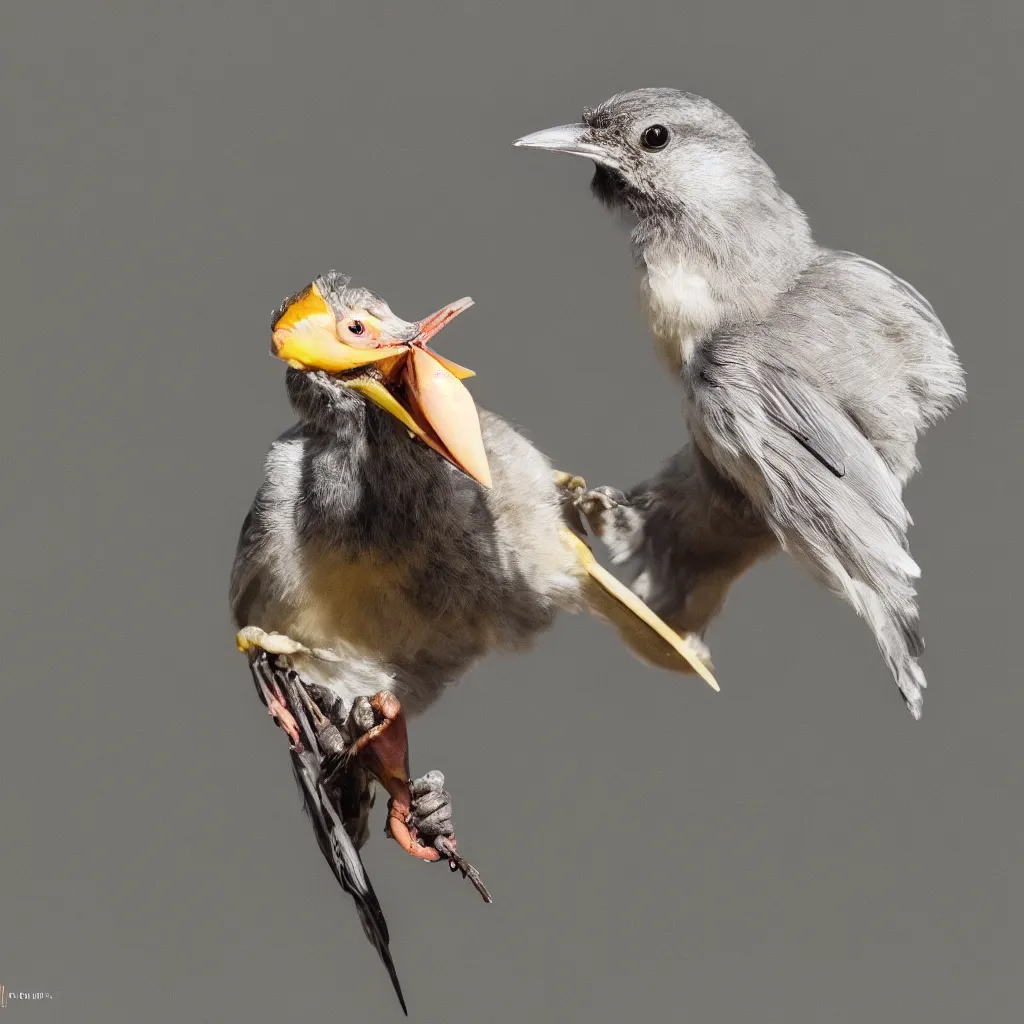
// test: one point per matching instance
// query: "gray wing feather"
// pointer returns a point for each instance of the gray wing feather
(792, 408)
(828, 496)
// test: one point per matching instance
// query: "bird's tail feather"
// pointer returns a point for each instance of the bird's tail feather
(327, 820)
(899, 639)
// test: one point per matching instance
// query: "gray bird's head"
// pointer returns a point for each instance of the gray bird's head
(659, 151)
(689, 174)
(340, 341)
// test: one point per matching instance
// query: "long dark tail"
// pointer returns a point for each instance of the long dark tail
(322, 750)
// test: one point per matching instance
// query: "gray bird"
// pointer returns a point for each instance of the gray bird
(809, 375)
(397, 537)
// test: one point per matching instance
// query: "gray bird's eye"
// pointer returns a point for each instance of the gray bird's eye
(355, 327)
(655, 137)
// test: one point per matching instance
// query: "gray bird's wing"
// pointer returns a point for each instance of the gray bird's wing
(822, 487)
(811, 423)
(337, 795)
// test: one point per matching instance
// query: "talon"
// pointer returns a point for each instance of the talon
(252, 637)
(600, 499)
(456, 863)
(414, 806)
(569, 481)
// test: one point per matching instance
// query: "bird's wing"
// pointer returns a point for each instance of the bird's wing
(337, 795)
(811, 423)
(820, 483)
(247, 565)
(646, 634)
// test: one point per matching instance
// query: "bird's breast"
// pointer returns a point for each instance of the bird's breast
(356, 600)
(679, 308)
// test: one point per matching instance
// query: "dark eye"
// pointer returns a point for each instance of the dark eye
(355, 327)
(655, 137)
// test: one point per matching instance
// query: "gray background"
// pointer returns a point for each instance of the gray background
(795, 849)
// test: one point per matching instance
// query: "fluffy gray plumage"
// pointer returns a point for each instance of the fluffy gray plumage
(364, 542)
(809, 375)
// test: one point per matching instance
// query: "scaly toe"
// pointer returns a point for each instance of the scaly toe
(273, 643)
(569, 481)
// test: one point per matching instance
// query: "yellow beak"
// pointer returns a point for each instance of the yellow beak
(306, 337)
(437, 408)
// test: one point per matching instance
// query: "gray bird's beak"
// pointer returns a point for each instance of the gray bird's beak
(574, 139)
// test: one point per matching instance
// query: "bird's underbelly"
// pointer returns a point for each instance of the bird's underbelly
(403, 615)
(361, 603)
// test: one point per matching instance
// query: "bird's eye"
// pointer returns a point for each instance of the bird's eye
(655, 137)
(355, 327)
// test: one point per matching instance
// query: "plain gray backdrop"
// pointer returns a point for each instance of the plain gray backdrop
(795, 849)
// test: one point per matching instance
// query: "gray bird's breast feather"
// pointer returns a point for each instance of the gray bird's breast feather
(387, 552)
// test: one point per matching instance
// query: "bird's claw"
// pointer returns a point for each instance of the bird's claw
(600, 499)
(252, 638)
(430, 821)
(419, 811)
(576, 485)
(609, 514)
(430, 813)
(457, 863)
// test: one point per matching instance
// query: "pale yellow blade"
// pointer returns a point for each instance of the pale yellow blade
(628, 600)
(379, 395)
(448, 408)
(462, 372)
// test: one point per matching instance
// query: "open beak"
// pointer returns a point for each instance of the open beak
(421, 389)
(439, 399)
(575, 139)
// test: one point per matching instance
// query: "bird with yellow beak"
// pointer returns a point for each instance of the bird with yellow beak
(399, 535)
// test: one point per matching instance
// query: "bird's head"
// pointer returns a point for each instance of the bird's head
(702, 198)
(659, 152)
(343, 339)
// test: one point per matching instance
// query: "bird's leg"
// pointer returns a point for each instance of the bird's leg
(383, 745)
(570, 489)
(614, 519)
(419, 812)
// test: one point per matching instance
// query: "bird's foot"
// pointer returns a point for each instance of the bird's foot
(419, 813)
(570, 482)
(253, 638)
(430, 821)
(610, 515)
(570, 489)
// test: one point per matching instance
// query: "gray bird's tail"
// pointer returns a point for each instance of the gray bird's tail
(899, 639)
